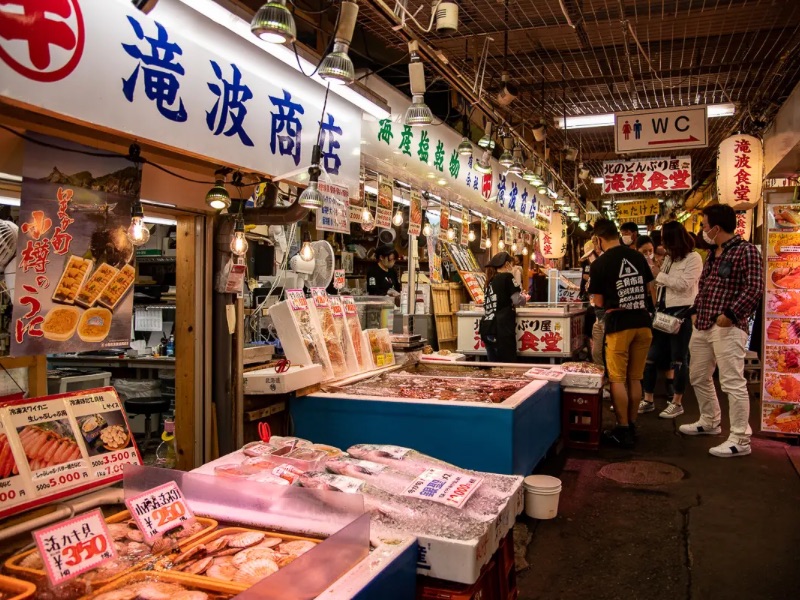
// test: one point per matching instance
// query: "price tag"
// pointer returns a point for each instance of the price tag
(338, 278)
(159, 510)
(343, 483)
(336, 307)
(445, 487)
(349, 305)
(75, 546)
(320, 297)
(297, 299)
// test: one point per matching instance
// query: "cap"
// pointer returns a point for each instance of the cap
(499, 259)
(588, 248)
(384, 250)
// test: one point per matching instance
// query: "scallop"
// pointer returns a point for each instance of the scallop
(254, 571)
(246, 539)
(296, 547)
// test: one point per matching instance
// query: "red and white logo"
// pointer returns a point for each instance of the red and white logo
(42, 40)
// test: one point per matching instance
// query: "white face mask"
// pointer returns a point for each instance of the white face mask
(708, 239)
(627, 240)
(648, 255)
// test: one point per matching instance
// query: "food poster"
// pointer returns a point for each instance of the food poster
(465, 220)
(383, 214)
(12, 485)
(781, 378)
(74, 260)
(415, 214)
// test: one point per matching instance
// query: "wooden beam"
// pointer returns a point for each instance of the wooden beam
(186, 299)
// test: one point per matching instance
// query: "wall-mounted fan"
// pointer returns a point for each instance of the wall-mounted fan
(318, 271)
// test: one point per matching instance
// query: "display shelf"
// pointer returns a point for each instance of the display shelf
(156, 259)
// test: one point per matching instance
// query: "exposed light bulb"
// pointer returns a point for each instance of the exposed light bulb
(426, 230)
(487, 243)
(138, 233)
(525, 251)
(501, 244)
(514, 247)
(307, 252)
(239, 243)
(471, 236)
(451, 234)
(398, 218)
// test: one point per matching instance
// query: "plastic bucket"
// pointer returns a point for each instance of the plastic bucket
(541, 496)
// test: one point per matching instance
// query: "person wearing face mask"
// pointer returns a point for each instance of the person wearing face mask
(498, 326)
(730, 288)
(382, 278)
(629, 233)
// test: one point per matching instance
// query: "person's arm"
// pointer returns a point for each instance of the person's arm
(372, 282)
(684, 280)
(596, 285)
(748, 262)
(396, 279)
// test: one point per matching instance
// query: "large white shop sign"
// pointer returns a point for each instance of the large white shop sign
(106, 63)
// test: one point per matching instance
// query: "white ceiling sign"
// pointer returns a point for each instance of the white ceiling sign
(660, 130)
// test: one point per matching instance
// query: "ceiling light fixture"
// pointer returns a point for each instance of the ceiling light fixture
(311, 197)
(524, 251)
(501, 244)
(274, 23)
(486, 141)
(726, 109)
(218, 197)
(518, 166)
(465, 147)
(238, 241)
(397, 219)
(507, 158)
(418, 114)
(138, 233)
(484, 163)
(336, 67)
(427, 229)
(471, 236)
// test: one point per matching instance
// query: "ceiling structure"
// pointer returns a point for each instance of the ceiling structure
(587, 57)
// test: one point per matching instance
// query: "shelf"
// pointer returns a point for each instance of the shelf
(156, 259)
(155, 306)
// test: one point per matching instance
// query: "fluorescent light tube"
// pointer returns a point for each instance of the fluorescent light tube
(9, 201)
(726, 109)
(159, 220)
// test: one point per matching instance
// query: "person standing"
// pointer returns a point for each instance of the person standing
(731, 286)
(620, 282)
(382, 277)
(676, 292)
(516, 270)
(498, 326)
(629, 232)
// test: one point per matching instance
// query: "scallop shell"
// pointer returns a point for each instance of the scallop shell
(135, 535)
(224, 572)
(190, 595)
(216, 545)
(269, 542)
(118, 531)
(156, 590)
(198, 566)
(246, 539)
(254, 571)
(296, 547)
(254, 553)
(32, 561)
(190, 554)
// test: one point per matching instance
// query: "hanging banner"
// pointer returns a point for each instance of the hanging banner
(334, 213)
(465, 220)
(415, 213)
(553, 242)
(647, 175)
(74, 260)
(744, 224)
(383, 215)
(444, 220)
(627, 211)
(740, 171)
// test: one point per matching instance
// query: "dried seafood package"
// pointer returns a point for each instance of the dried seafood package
(356, 335)
(301, 339)
(339, 321)
(322, 314)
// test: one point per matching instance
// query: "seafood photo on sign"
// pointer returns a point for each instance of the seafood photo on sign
(783, 331)
(783, 360)
(783, 304)
(48, 444)
(105, 432)
(785, 217)
(8, 466)
(784, 276)
(784, 246)
(782, 387)
(777, 416)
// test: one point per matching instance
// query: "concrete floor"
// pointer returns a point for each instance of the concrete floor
(730, 529)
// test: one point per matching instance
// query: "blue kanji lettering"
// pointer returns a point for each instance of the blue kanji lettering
(469, 179)
(286, 127)
(329, 146)
(230, 104)
(160, 70)
(501, 190)
(512, 196)
(475, 183)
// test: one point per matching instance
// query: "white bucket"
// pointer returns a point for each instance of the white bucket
(541, 496)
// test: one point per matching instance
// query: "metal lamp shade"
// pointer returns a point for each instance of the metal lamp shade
(336, 67)
(311, 197)
(274, 23)
(418, 114)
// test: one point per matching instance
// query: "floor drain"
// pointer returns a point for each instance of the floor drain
(642, 472)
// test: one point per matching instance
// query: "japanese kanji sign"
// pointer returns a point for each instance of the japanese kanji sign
(465, 220)
(334, 213)
(636, 208)
(446, 487)
(74, 261)
(75, 546)
(740, 171)
(647, 175)
(159, 510)
(383, 215)
(163, 81)
(536, 335)
(415, 213)
(661, 129)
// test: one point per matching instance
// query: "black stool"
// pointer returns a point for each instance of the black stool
(147, 407)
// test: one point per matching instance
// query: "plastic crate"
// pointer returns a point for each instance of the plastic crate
(506, 567)
(581, 417)
(486, 588)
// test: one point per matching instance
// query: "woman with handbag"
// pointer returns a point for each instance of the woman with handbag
(498, 327)
(677, 288)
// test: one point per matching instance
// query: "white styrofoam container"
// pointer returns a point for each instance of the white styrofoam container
(546, 373)
(582, 380)
(285, 321)
(268, 381)
(436, 357)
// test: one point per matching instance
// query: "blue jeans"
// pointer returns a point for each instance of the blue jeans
(676, 348)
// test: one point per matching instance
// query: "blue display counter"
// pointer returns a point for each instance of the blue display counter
(509, 437)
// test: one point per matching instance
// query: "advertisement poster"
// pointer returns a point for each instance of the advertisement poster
(465, 227)
(444, 220)
(335, 212)
(780, 404)
(415, 214)
(636, 209)
(647, 175)
(74, 260)
(383, 215)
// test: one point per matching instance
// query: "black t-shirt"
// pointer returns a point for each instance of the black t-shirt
(498, 294)
(379, 282)
(621, 276)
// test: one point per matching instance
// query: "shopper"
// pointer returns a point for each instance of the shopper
(676, 290)
(620, 283)
(644, 244)
(382, 277)
(730, 288)
(498, 325)
(537, 283)
(516, 270)
(629, 232)
(585, 264)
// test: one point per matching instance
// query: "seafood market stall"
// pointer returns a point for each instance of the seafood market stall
(546, 330)
(486, 417)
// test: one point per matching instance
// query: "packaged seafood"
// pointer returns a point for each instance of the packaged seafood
(60, 323)
(380, 346)
(117, 287)
(301, 338)
(95, 285)
(150, 585)
(323, 315)
(342, 333)
(355, 334)
(75, 272)
(582, 375)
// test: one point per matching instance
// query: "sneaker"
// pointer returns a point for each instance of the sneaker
(620, 436)
(646, 407)
(673, 410)
(606, 394)
(699, 428)
(729, 449)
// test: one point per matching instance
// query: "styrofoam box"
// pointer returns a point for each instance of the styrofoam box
(582, 380)
(268, 381)
(436, 357)
(545, 373)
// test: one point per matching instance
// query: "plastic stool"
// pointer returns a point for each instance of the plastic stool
(147, 407)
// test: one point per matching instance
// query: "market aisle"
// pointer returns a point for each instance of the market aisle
(728, 529)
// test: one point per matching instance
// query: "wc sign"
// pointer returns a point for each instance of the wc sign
(661, 129)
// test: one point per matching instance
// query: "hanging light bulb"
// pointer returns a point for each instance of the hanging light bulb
(311, 197)
(506, 158)
(517, 167)
(541, 190)
(427, 230)
(418, 114)
(487, 243)
(484, 163)
(138, 233)
(529, 175)
(307, 252)
(471, 236)
(501, 244)
(451, 234)
(514, 247)
(397, 219)
(218, 197)
(524, 251)
(537, 176)
(238, 242)
(465, 147)
(486, 141)
(274, 23)
(336, 67)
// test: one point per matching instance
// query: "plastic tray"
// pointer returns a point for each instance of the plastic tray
(547, 374)
(204, 584)
(20, 589)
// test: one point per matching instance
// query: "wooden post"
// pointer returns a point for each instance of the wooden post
(493, 235)
(37, 372)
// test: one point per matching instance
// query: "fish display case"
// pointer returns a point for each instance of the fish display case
(546, 330)
(481, 416)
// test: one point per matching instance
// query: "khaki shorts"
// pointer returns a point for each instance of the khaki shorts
(626, 354)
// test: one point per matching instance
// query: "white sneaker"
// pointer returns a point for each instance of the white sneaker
(673, 410)
(730, 449)
(699, 428)
(646, 407)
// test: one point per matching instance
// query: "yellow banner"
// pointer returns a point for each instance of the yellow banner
(637, 208)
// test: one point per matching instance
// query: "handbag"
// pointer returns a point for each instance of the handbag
(663, 321)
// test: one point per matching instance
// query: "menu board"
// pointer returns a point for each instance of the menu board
(383, 214)
(780, 400)
(57, 446)
(469, 270)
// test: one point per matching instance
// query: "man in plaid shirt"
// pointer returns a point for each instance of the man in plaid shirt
(730, 288)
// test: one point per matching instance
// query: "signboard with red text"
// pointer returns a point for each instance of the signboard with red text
(159, 510)
(646, 175)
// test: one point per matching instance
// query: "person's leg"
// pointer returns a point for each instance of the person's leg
(491, 351)
(598, 333)
(651, 371)
(679, 357)
(701, 376)
(730, 348)
(641, 342)
(616, 346)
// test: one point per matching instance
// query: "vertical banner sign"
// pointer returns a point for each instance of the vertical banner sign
(415, 213)
(647, 175)
(334, 215)
(74, 260)
(383, 215)
(444, 220)
(465, 219)
(740, 171)
(780, 400)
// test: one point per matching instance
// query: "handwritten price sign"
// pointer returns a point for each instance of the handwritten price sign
(445, 487)
(75, 546)
(159, 510)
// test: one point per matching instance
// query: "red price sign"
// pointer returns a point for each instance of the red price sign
(75, 546)
(159, 510)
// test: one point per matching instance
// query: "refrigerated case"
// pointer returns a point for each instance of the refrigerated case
(496, 419)
(543, 330)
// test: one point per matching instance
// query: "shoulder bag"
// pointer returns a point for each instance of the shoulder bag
(662, 321)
